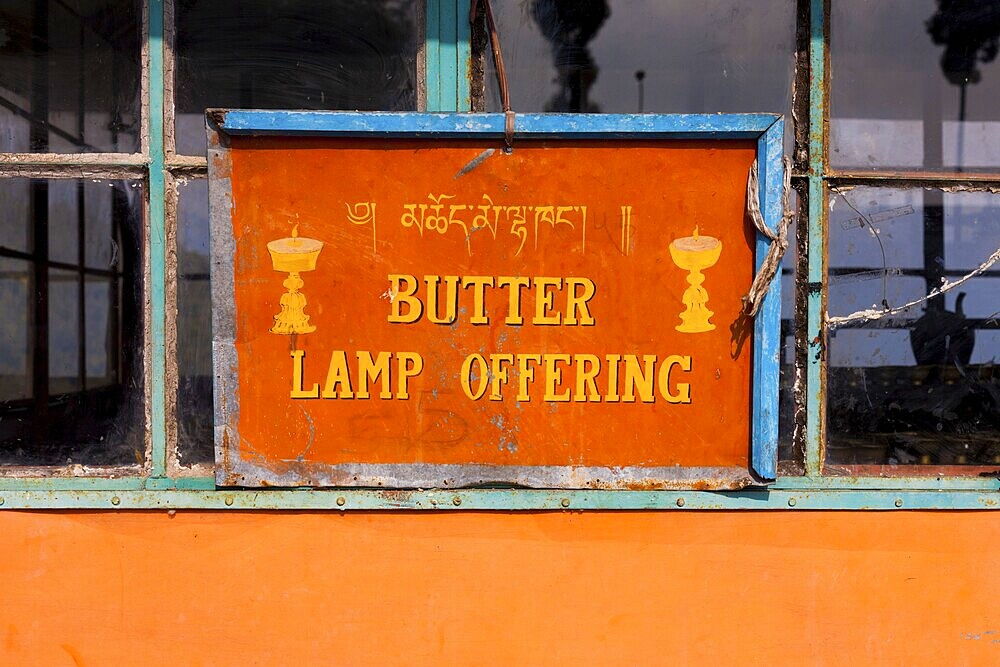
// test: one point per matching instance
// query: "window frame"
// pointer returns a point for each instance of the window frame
(445, 65)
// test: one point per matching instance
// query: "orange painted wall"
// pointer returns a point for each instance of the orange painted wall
(203, 588)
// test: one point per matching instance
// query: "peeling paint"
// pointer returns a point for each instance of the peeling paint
(475, 162)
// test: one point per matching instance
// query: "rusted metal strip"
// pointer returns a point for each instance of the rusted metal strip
(800, 91)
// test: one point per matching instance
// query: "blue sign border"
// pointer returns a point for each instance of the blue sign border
(766, 129)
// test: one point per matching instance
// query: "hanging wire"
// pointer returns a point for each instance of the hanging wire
(491, 26)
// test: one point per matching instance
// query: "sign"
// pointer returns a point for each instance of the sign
(400, 302)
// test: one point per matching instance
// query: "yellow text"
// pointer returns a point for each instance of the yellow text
(579, 378)
(359, 377)
(541, 301)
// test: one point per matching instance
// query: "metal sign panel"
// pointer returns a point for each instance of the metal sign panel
(400, 302)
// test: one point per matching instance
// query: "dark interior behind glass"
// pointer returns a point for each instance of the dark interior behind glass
(71, 335)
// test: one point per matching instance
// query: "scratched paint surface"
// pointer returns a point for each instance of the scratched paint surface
(353, 195)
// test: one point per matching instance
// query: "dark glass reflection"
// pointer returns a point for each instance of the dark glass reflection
(915, 84)
(194, 327)
(306, 54)
(614, 56)
(69, 76)
(919, 386)
(71, 336)
(569, 27)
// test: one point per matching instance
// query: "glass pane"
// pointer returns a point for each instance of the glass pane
(69, 76)
(919, 386)
(65, 332)
(64, 221)
(101, 308)
(915, 85)
(15, 345)
(194, 327)
(71, 342)
(307, 54)
(100, 244)
(646, 56)
(15, 232)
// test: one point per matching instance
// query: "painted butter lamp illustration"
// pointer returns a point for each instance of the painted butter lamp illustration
(293, 255)
(694, 254)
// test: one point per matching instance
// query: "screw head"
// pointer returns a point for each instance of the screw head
(791, 502)
(565, 502)
(341, 500)
(229, 500)
(680, 502)
(115, 500)
(456, 501)
(2, 501)
(899, 502)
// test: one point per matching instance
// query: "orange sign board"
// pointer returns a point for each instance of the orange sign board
(410, 312)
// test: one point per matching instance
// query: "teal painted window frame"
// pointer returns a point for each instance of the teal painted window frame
(446, 63)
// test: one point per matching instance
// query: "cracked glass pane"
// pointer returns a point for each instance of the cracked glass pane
(912, 379)
(283, 54)
(71, 338)
(69, 76)
(914, 85)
